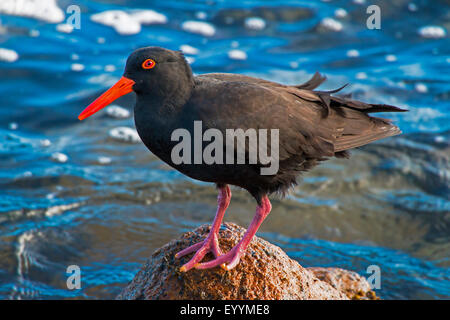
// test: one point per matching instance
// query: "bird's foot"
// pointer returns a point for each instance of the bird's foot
(210, 244)
(227, 261)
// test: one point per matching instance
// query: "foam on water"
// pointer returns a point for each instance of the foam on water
(128, 23)
(104, 160)
(8, 55)
(147, 17)
(187, 49)
(255, 23)
(237, 55)
(117, 112)
(45, 143)
(59, 157)
(390, 58)
(361, 75)
(331, 24)
(353, 53)
(121, 21)
(199, 27)
(125, 134)
(190, 60)
(46, 10)
(340, 13)
(421, 87)
(64, 28)
(77, 67)
(434, 32)
(21, 253)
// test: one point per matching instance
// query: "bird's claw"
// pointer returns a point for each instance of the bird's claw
(227, 261)
(210, 244)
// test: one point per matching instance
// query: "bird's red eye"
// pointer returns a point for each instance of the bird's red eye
(148, 64)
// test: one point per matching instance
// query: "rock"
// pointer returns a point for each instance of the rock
(265, 272)
(352, 284)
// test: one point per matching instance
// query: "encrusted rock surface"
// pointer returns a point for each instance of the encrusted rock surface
(265, 272)
(349, 282)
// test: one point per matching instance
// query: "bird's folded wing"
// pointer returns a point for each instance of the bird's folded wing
(315, 124)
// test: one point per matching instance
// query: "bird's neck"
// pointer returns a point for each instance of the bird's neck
(157, 117)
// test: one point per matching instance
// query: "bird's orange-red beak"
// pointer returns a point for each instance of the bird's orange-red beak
(122, 87)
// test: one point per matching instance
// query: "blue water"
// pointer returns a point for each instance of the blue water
(112, 203)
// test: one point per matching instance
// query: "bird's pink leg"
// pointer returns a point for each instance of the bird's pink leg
(211, 243)
(231, 259)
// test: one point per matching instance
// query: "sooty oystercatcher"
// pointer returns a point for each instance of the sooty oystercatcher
(310, 126)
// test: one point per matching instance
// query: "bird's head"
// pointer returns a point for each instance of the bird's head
(151, 71)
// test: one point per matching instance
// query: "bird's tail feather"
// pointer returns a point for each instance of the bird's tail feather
(350, 141)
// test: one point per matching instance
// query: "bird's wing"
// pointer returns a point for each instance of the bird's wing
(314, 124)
(241, 105)
(316, 80)
(356, 127)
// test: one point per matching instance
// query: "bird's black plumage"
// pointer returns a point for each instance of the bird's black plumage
(310, 126)
(313, 125)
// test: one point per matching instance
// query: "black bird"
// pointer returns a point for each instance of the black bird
(312, 126)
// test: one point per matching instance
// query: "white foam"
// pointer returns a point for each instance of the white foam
(8, 55)
(421, 88)
(104, 160)
(187, 49)
(148, 17)
(353, 53)
(331, 24)
(361, 75)
(26, 174)
(190, 60)
(128, 27)
(77, 67)
(64, 28)
(237, 55)
(255, 23)
(45, 143)
(117, 112)
(109, 18)
(46, 10)
(21, 253)
(391, 58)
(199, 27)
(59, 157)
(128, 23)
(340, 13)
(124, 134)
(433, 32)
(13, 126)
(56, 210)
